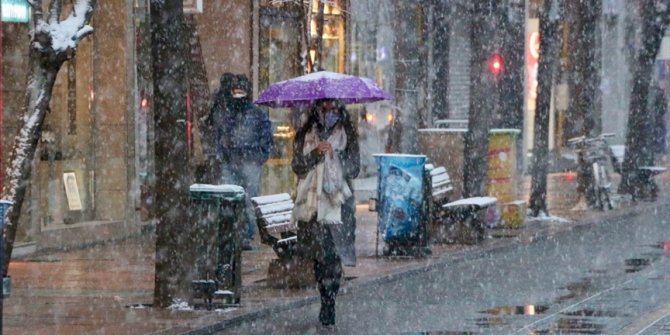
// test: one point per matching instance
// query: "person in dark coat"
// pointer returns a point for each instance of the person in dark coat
(659, 107)
(326, 159)
(244, 141)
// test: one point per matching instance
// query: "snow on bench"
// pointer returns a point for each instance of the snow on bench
(653, 169)
(479, 202)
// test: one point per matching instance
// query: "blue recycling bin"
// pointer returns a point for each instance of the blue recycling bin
(400, 185)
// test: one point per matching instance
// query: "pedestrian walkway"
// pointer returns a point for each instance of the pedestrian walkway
(107, 289)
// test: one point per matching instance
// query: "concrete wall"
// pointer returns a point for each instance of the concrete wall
(110, 108)
(459, 64)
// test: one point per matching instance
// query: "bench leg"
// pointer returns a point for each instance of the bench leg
(468, 231)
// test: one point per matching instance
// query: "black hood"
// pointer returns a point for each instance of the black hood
(227, 81)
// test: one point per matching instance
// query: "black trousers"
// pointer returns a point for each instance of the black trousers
(315, 242)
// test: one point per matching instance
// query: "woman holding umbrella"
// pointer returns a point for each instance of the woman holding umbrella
(326, 159)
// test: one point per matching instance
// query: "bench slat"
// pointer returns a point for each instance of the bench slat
(441, 192)
(269, 199)
(279, 228)
(440, 178)
(288, 240)
(276, 218)
(275, 208)
(438, 171)
(653, 168)
(441, 184)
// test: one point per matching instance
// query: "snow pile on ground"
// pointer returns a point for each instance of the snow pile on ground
(225, 310)
(544, 217)
(180, 305)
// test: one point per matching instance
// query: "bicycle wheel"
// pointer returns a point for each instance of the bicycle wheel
(605, 186)
(597, 189)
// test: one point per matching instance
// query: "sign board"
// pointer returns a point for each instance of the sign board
(192, 6)
(72, 191)
(15, 11)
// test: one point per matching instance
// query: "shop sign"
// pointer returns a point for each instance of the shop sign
(15, 11)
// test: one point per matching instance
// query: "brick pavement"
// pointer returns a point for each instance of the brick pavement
(102, 289)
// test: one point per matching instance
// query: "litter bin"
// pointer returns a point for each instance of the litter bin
(216, 215)
(400, 190)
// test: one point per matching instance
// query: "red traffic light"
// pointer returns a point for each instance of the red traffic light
(496, 65)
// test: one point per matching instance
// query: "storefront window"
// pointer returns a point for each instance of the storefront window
(333, 35)
(65, 172)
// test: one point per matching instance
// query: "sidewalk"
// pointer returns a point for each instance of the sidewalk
(103, 289)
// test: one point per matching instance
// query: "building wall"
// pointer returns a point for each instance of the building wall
(225, 36)
(459, 64)
(110, 108)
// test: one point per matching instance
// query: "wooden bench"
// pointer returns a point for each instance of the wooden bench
(438, 189)
(466, 219)
(277, 229)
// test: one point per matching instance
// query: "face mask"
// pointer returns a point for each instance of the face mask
(237, 104)
(331, 119)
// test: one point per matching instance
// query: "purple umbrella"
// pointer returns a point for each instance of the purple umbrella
(305, 90)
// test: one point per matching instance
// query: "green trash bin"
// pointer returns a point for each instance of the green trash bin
(216, 217)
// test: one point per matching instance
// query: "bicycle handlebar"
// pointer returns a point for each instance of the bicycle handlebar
(584, 139)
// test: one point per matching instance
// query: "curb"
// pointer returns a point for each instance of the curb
(440, 262)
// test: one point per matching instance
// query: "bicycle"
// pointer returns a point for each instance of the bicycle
(597, 159)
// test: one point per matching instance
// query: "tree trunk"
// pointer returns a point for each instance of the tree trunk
(172, 175)
(483, 92)
(44, 60)
(318, 41)
(407, 69)
(546, 67)
(42, 78)
(590, 68)
(512, 79)
(639, 152)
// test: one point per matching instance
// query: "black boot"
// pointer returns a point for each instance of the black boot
(327, 313)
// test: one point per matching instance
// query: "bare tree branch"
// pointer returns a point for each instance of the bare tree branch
(54, 11)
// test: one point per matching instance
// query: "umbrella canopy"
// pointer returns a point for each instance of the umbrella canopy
(307, 89)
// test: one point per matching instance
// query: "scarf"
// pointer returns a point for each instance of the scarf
(323, 190)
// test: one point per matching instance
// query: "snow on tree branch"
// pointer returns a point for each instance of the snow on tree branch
(61, 36)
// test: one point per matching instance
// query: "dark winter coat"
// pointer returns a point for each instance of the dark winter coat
(243, 131)
(315, 241)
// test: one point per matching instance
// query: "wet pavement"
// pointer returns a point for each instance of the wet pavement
(107, 289)
(572, 283)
